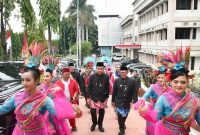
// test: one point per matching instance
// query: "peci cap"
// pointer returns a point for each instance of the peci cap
(124, 68)
(100, 64)
(71, 64)
(65, 70)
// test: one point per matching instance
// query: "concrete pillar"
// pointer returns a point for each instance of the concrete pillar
(171, 26)
(192, 5)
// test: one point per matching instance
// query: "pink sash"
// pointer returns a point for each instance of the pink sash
(182, 115)
(27, 113)
(64, 109)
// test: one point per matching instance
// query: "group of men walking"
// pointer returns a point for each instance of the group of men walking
(96, 86)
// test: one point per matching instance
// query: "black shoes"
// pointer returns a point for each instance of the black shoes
(74, 129)
(101, 129)
(121, 132)
(92, 128)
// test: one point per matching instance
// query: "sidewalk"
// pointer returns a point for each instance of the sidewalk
(135, 125)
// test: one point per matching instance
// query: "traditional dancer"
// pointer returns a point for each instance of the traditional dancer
(174, 111)
(152, 94)
(31, 105)
(56, 93)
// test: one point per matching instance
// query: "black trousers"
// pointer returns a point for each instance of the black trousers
(121, 121)
(94, 116)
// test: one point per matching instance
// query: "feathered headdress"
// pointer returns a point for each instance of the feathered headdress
(106, 60)
(179, 59)
(35, 52)
(50, 62)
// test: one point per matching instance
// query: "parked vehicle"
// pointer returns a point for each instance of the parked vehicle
(134, 64)
(117, 57)
(10, 83)
(127, 61)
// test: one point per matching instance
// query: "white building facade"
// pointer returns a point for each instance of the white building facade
(109, 32)
(167, 24)
(129, 47)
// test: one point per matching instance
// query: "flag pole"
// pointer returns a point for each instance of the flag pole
(11, 52)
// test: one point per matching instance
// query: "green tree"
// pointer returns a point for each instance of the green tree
(37, 34)
(17, 44)
(93, 38)
(27, 15)
(86, 17)
(6, 6)
(68, 35)
(50, 15)
(85, 50)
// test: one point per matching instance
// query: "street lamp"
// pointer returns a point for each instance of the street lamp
(77, 34)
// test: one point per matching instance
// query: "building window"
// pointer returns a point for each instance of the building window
(195, 4)
(162, 9)
(182, 33)
(194, 33)
(166, 6)
(135, 38)
(192, 63)
(158, 11)
(161, 35)
(165, 31)
(183, 4)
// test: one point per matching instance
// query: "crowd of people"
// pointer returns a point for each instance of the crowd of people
(45, 105)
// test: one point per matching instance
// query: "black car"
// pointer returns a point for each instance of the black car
(10, 83)
(127, 61)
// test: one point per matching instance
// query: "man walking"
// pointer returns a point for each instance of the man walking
(85, 80)
(97, 94)
(124, 92)
(136, 78)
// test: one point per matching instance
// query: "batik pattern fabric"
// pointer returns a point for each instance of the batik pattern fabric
(31, 112)
(61, 105)
(97, 105)
(174, 114)
(151, 95)
(122, 111)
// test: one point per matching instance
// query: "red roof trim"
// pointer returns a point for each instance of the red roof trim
(131, 46)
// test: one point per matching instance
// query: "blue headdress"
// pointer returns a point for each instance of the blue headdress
(106, 60)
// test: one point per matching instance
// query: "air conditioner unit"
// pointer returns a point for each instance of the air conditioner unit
(195, 24)
(185, 23)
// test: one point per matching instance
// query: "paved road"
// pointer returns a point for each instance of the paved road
(135, 124)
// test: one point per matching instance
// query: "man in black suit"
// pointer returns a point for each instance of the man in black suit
(97, 94)
(124, 93)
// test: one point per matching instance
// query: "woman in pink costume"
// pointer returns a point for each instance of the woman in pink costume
(175, 111)
(152, 94)
(31, 106)
(64, 109)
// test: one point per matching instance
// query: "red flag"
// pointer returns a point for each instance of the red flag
(24, 45)
(8, 41)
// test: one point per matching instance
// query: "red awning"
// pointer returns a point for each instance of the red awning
(131, 46)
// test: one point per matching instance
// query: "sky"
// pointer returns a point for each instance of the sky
(121, 7)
